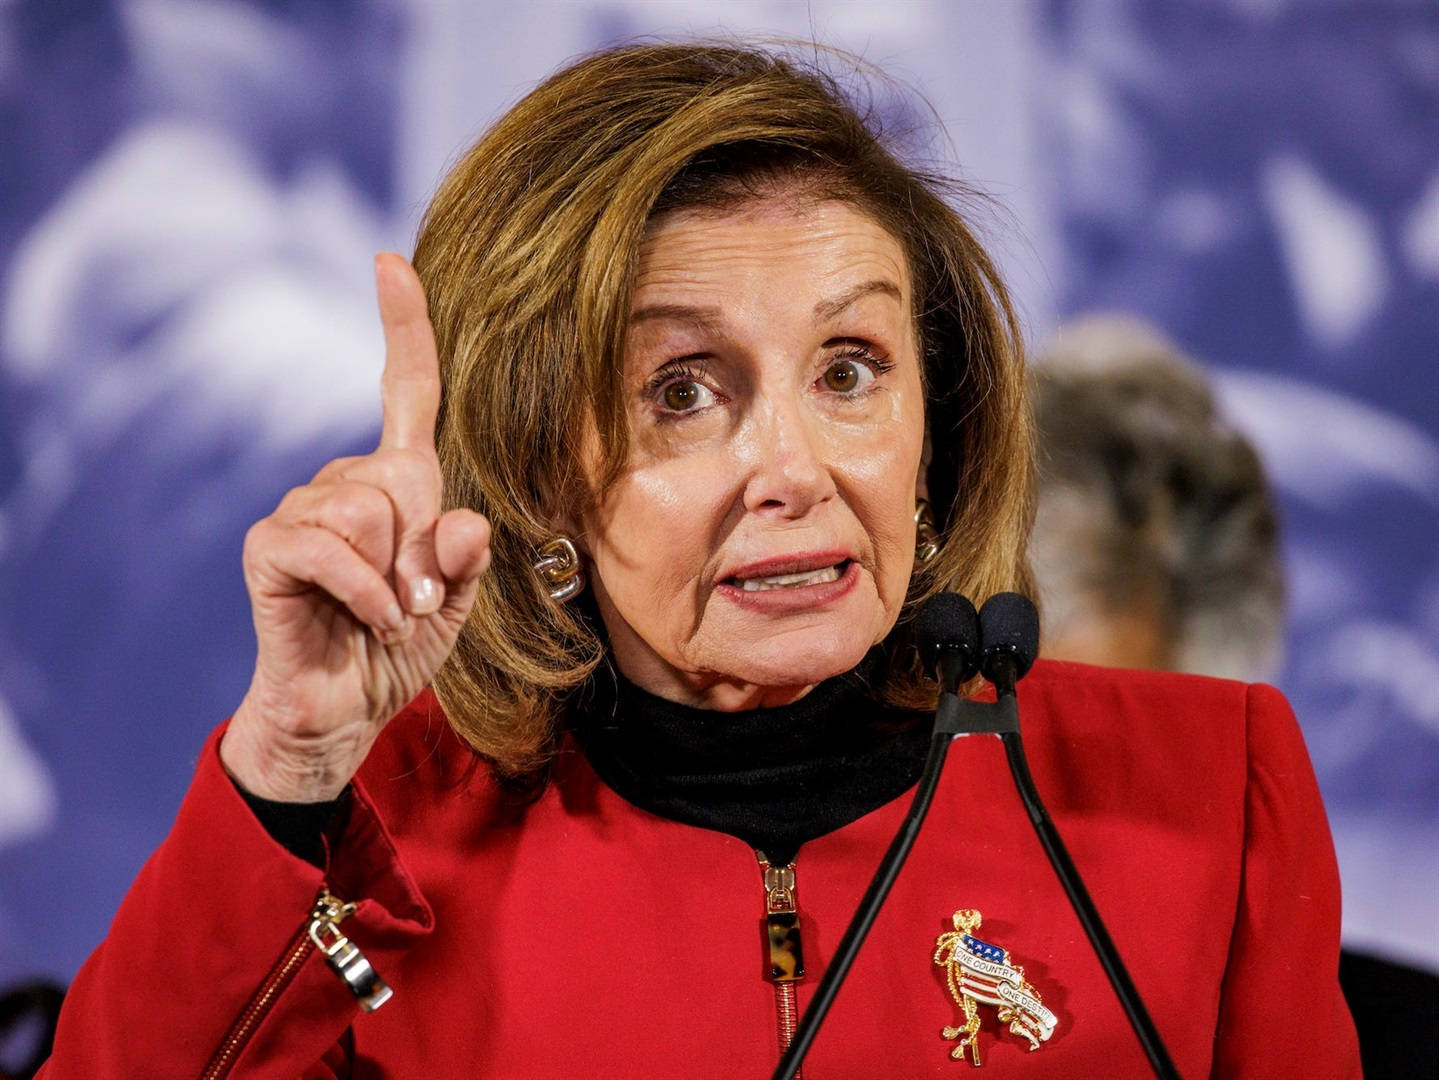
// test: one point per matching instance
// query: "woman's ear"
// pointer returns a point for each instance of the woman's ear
(568, 526)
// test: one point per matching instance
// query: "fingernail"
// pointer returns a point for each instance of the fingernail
(424, 596)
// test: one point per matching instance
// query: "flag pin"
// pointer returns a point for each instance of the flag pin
(981, 973)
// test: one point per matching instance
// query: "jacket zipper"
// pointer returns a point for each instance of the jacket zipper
(321, 931)
(783, 947)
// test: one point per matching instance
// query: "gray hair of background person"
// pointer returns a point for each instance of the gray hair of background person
(1150, 505)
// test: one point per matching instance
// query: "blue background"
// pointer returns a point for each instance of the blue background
(191, 190)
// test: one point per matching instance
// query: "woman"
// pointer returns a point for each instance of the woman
(694, 334)
(1156, 535)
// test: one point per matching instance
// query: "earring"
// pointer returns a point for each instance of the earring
(559, 567)
(926, 537)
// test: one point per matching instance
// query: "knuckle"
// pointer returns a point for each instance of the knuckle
(414, 491)
(325, 553)
(406, 476)
(347, 515)
(259, 537)
(357, 509)
(294, 501)
(336, 469)
(413, 464)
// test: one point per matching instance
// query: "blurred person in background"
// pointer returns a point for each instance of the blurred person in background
(1156, 546)
(1156, 537)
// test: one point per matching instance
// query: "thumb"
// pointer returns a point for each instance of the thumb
(462, 553)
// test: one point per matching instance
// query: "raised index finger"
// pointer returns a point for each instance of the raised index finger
(410, 384)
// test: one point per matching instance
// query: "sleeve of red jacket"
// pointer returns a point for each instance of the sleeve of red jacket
(179, 986)
(1281, 1010)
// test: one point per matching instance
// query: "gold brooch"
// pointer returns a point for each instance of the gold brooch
(981, 972)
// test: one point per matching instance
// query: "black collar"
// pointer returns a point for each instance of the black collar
(774, 778)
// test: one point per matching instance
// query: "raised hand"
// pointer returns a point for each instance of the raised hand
(358, 584)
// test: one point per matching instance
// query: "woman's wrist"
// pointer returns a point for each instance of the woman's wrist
(286, 769)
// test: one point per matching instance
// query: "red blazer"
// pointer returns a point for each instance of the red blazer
(581, 936)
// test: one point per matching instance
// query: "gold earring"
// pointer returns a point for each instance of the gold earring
(926, 537)
(559, 567)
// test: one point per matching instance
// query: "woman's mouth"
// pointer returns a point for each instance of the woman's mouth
(821, 576)
(782, 587)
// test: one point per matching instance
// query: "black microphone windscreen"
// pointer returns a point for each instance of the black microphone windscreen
(1010, 622)
(948, 621)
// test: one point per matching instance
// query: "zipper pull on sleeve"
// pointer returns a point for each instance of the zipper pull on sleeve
(343, 955)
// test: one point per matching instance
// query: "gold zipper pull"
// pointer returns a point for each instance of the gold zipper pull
(343, 955)
(786, 957)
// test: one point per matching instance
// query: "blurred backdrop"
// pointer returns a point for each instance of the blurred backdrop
(191, 191)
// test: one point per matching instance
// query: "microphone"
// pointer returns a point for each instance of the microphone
(1009, 628)
(947, 632)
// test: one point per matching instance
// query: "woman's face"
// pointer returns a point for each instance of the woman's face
(761, 537)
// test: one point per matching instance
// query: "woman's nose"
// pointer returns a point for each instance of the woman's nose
(789, 472)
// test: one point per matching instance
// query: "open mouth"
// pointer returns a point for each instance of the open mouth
(802, 579)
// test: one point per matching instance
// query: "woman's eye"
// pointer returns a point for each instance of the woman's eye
(686, 395)
(847, 376)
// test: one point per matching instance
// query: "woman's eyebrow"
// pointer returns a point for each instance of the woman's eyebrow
(828, 309)
(705, 318)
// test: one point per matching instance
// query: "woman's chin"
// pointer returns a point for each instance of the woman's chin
(794, 649)
(796, 659)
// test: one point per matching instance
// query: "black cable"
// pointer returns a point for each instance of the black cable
(1064, 868)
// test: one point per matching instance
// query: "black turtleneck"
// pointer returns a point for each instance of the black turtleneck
(774, 778)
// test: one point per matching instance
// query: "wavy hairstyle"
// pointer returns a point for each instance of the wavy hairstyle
(528, 254)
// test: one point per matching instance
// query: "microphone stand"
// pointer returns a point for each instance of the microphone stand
(1002, 674)
(960, 716)
(952, 669)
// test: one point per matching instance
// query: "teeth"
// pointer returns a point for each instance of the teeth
(791, 581)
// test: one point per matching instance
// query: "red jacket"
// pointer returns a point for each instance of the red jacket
(581, 936)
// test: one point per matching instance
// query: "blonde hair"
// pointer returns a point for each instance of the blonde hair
(528, 254)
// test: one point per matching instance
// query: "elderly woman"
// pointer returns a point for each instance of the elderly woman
(1156, 535)
(685, 346)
